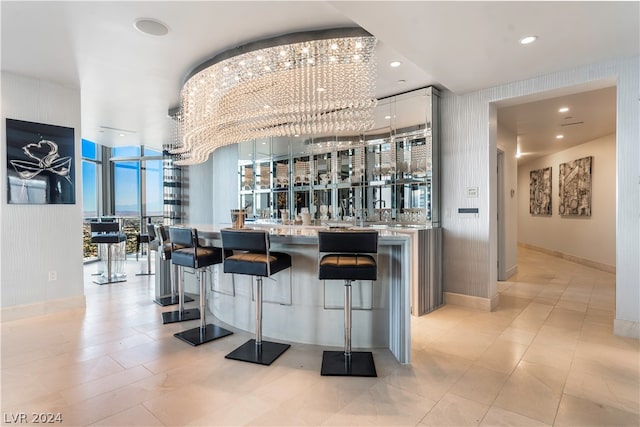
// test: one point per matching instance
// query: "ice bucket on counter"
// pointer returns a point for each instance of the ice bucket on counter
(237, 218)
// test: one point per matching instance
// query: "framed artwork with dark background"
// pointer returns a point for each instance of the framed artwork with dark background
(40, 163)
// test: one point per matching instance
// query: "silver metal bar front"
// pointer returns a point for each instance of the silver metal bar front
(259, 310)
(347, 317)
(148, 259)
(109, 262)
(201, 280)
(180, 291)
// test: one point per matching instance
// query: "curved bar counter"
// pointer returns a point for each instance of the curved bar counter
(301, 308)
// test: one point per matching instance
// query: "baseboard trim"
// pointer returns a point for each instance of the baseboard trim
(511, 271)
(626, 328)
(24, 311)
(583, 261)
(478, 303)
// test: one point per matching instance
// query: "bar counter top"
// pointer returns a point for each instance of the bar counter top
(308, 234)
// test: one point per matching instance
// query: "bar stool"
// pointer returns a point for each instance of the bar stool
(164, 248)
(199, 257)
(254, 259)
(346, 255)
(108, 233)
(181, 238)
(141, 240)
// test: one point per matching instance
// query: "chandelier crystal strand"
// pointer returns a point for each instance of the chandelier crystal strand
(314, 87)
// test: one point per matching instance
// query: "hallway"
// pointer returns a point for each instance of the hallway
(546, 356)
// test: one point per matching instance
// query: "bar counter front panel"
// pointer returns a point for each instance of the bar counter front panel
(301, 308)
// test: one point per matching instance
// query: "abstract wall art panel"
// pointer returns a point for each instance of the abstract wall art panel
(540, 192)
(575, 187)
(40, 163)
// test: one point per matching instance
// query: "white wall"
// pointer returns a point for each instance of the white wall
(197, 193)
(468, 156)
(507, 142)
(225, 183)
(37, 239)
(592, 238)
(212, 188)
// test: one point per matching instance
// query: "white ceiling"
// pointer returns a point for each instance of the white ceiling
(129, 80)
(591, 115)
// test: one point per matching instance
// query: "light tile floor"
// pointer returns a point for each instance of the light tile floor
(546, 356)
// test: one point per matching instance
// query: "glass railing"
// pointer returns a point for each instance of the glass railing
(130, 225)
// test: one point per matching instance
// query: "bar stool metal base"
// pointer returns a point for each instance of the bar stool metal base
(199, 335)
(145, 274)
(102, 280)
(171, 300)
(263, 354)
(360, 365)
(178, 316)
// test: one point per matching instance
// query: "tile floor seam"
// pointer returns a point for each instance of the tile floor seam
(564, 385)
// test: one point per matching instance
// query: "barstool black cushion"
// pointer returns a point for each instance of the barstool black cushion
(353, 267)
(163, 240)
(164, 249)
(187, 253)
(253, 260)
(352, 261)
(106, 232)
(154, 243)
(349, 261)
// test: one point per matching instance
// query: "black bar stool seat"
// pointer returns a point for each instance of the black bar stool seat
(164, 248)
(348, 267)
(107, 233)
(347, 255)
(190, 254)
(145, 239)
(255, 259)
(257, 264)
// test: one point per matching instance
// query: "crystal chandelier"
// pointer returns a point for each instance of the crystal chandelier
(312, 83)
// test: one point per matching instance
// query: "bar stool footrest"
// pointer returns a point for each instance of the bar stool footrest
(264, 354)
(102, 280)
(171, 300)
(361, 364)
(177, 316)
(145, 274)
(197, 336)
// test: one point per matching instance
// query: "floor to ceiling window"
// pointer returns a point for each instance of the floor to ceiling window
(91, 192)
(134, 193)
(153, 184)
(137, 189)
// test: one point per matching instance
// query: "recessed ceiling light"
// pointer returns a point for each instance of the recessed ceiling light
(122, 134)
(559, 136)
(528, 39)
(151, 26)
(401, 81)
(395, 64)
(387, 117)
(563, 109)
